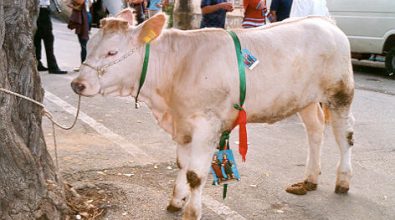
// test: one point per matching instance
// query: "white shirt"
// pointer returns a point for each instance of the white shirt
(45, 2)
(302, 8)
(87, 4)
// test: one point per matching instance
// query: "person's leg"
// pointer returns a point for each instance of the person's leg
(48, 38)
(139, 13)
(83, 43)
(37, 43)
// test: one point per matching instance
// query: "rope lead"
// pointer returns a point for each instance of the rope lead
(47, 114)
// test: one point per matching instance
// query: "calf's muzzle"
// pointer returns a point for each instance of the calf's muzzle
(77, 87)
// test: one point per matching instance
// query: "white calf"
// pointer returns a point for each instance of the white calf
(193, 81)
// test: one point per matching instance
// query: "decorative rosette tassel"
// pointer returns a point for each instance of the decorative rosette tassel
(242, 122)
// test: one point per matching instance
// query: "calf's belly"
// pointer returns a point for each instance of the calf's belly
(271, 117)
(277, 111)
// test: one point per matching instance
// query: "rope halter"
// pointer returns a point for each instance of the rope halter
(102, 69)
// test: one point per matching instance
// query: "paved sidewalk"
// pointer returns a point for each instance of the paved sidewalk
(103, 150)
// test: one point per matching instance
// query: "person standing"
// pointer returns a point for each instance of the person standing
(227, 164)
(254, 13)
(214, 13)
(280, 9)
(139, 6)
(80, 21)
(44, 32)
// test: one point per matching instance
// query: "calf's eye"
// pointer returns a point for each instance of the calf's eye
(112, 52)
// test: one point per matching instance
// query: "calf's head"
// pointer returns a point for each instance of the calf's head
(115, 55)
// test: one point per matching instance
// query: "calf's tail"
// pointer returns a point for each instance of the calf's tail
(327, 113)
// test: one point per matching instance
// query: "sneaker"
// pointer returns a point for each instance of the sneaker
(57, 71)
(76, 69)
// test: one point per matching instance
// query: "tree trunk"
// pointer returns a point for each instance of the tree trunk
(183, 14)
(29, 188)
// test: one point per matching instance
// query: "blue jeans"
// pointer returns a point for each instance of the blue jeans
(83, 43)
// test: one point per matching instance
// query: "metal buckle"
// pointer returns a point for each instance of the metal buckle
(137, 105)
(100, 72)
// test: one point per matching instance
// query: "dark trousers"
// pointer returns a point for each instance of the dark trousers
(139, 12)
(83, 43)
(44, 32)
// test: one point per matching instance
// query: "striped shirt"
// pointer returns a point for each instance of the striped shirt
(253, 17)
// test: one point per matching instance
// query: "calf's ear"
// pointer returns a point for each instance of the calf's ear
(152, 28)
(113, 24)
(127, 15)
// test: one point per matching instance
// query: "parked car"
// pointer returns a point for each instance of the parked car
(369, 25)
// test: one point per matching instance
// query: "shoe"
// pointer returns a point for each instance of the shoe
(40, 67)
(57, 71)
(77, 69)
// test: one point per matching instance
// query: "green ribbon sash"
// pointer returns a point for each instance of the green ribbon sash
(143, 72)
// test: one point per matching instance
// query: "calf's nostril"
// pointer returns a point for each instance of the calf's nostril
(80, 87)
(77, 87)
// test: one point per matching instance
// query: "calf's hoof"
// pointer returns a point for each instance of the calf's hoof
(191, 215)
(310, 186)
(341, 189)
(172, 209)
(301, 188)
(296, 190)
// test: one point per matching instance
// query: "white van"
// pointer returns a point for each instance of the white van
(369, 25)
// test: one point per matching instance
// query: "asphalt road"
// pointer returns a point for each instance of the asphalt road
(112, 138)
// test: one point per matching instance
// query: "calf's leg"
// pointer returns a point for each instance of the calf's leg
(313, 119)
(340, 99)
(181, 187)
(342, 125)
(204, 141)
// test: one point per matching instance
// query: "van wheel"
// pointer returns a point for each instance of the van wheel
(390, 62)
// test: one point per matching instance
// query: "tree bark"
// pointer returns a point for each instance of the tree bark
(183, 14)
(29, 187)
